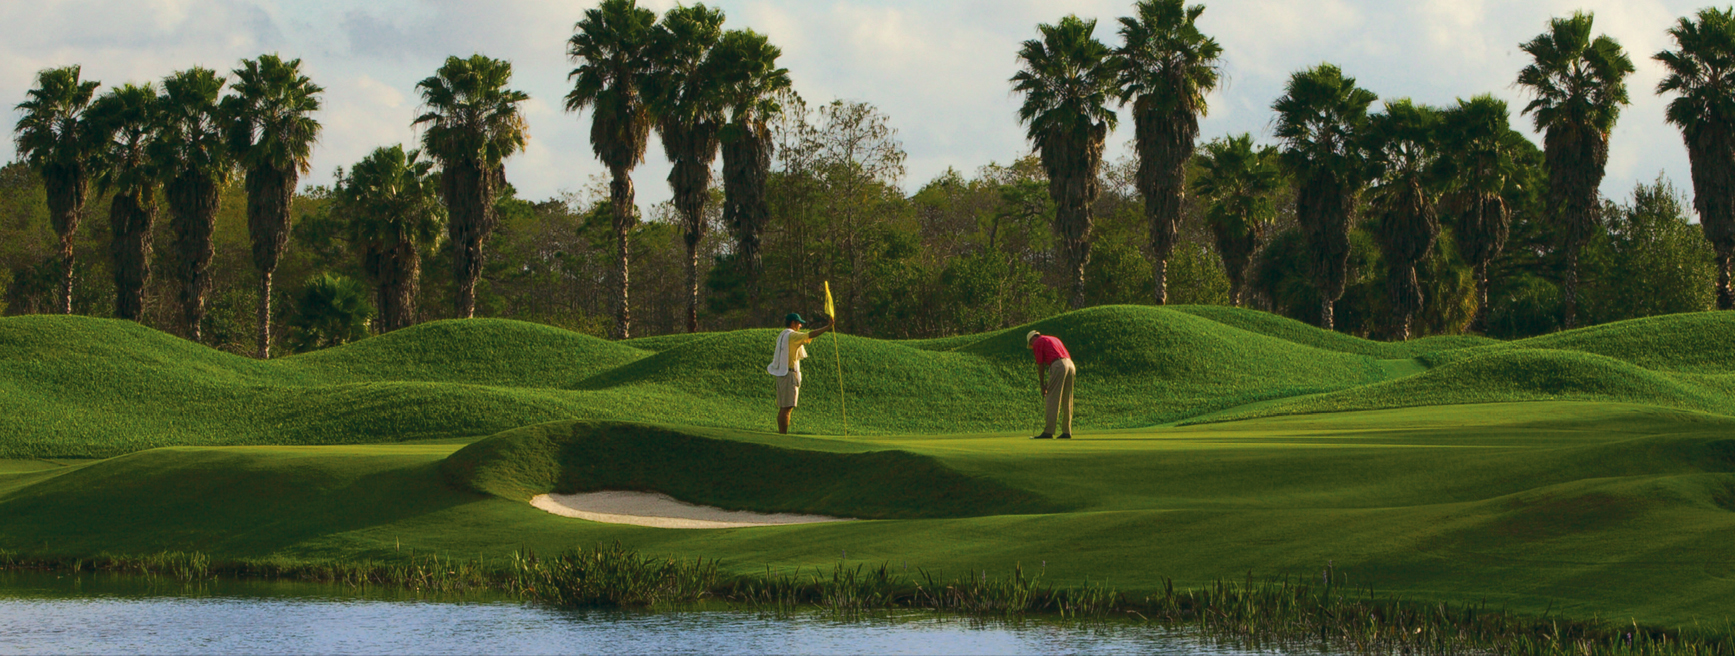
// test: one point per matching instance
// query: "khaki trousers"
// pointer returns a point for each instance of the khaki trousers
(1060, 376)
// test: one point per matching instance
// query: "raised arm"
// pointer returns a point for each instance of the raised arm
(829, 324)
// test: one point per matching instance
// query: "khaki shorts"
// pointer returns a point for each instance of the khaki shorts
(788, 389)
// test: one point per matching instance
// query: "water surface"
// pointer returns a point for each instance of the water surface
(104, 614)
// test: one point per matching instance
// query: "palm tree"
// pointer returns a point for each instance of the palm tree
(473, 124)
(689, 110)
(1403, 153)
(54, 137)
(390, 203)
(194, 156)
(1320, 119)
(1237, 182)
(744, 66)
(1166, 67)
(1479, 156)
(127, 121)
(272, 136)
(1702, 74)
(330, 310)
(612, 47)
(1067, 80)
(1580, 85)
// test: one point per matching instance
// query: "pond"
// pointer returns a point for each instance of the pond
(45, 613)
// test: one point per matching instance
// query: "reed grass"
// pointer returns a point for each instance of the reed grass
(1328, 614)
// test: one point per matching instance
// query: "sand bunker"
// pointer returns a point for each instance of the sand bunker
(661, 511)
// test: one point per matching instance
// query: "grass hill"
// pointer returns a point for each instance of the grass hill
(81, 387)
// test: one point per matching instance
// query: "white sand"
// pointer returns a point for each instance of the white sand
(661, 511)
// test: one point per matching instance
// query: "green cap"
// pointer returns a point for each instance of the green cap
(794, 317)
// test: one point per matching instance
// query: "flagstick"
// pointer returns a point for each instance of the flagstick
(841, 399)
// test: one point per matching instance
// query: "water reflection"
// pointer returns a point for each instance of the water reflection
(42, 614)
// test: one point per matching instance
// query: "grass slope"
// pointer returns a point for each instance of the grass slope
(1610, 510)
(1680, 361)
(81, 387)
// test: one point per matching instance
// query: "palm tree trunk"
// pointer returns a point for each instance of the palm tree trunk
(1725, 296)
(400, 272)
(1160, 279)
(469, 190)
(64, 188)
(1326, 320)
(193, 201)
(746, 167)
(1711, 152)
(265, 314)
(1072, 162)
(1080, 258)
(620, 194)
(692, 286)
(1165, 143)
(1570, 290)
(1576, 158)
(130, 218)
(269, 194)
(692, 147)
(1479, 321)
(66, 273)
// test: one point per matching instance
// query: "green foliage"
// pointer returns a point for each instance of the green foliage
(1528, 305)
(271, 115)
(990, 290)
(1578, 81)
(1164, 55)
(1117, 275)
(329, 311)
(1067, 82)
(53, 133)
(1656, 262)
(471, 116)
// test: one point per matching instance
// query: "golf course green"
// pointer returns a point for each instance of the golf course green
(1589, 473)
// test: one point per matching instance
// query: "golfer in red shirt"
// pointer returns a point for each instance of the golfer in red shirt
(1054, 376)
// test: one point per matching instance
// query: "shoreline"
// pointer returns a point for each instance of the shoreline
(1260, 612)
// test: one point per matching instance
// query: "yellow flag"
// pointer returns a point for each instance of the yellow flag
(830, 310)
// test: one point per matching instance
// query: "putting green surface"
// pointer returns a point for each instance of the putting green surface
(1591, 473)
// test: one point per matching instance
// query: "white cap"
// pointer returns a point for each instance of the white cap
(1031, 336)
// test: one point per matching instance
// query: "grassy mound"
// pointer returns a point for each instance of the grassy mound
(81, 387)
(476, 352)
(1514, 374)
(571, 457)
(1288, 329)
(1695, 343)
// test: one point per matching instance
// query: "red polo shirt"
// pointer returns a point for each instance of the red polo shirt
(1048, 349)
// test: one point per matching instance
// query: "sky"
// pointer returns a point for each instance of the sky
(937, 68)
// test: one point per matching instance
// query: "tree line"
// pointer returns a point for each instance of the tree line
(1404, 220)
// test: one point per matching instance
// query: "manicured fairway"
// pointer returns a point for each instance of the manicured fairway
(1592, 510)
(1616, 502)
